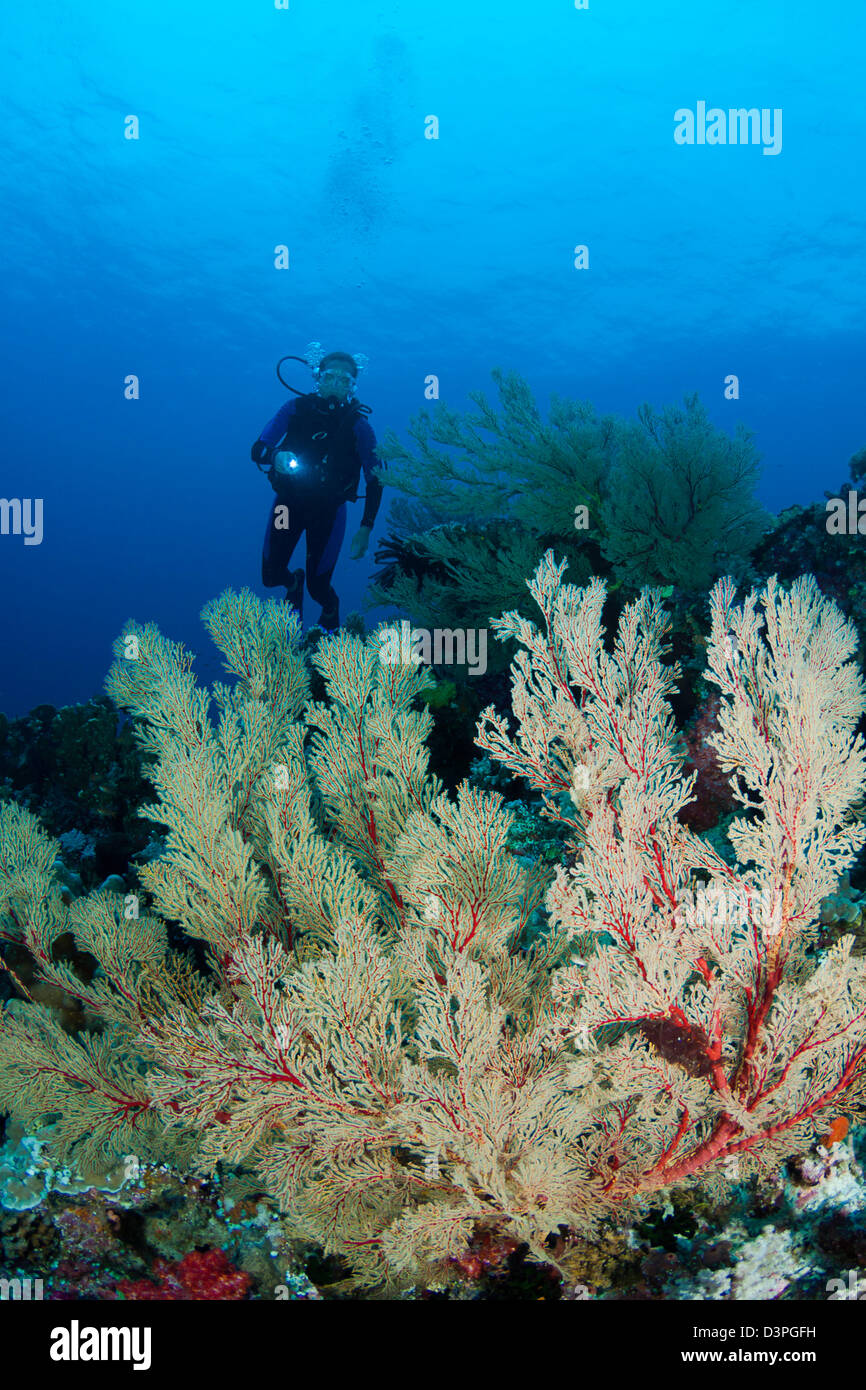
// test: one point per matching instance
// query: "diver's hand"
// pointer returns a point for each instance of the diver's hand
(360, 541)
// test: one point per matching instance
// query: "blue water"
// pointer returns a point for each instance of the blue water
(306, 127)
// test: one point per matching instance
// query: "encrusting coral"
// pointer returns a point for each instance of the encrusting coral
(372, 1033)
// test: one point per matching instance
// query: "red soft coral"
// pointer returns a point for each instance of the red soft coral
(202, 1274)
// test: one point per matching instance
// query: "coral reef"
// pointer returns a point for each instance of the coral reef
(712, 794)
(800, 540)
(666, 499)
(202, 1274)
(355, 1017)
(81, 769)
(141, 1222)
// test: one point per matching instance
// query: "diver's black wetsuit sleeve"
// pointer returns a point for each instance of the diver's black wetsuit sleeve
(265, 445)
(366, 442)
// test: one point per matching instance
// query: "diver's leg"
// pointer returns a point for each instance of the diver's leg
(279, 546)
(325, 534)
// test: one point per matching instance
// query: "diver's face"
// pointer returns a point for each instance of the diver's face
(335, 383)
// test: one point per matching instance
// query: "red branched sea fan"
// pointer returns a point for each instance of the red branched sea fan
(372, 1038)
(713, 796)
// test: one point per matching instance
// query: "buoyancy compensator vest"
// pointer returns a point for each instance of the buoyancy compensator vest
(321, 435)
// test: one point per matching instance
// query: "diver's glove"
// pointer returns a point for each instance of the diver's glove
(259, 451)
(360, 541)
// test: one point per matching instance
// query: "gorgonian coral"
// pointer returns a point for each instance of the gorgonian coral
(373, 1034)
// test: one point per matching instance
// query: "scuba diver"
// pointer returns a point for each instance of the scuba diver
(314, 450)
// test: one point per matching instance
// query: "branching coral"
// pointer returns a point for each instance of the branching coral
(666, 499)
(679, 507)
(723, 1033)
(372, 1034)
(505, 463)
(94, 1082)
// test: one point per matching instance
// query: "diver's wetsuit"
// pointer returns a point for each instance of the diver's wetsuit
(333, 444)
